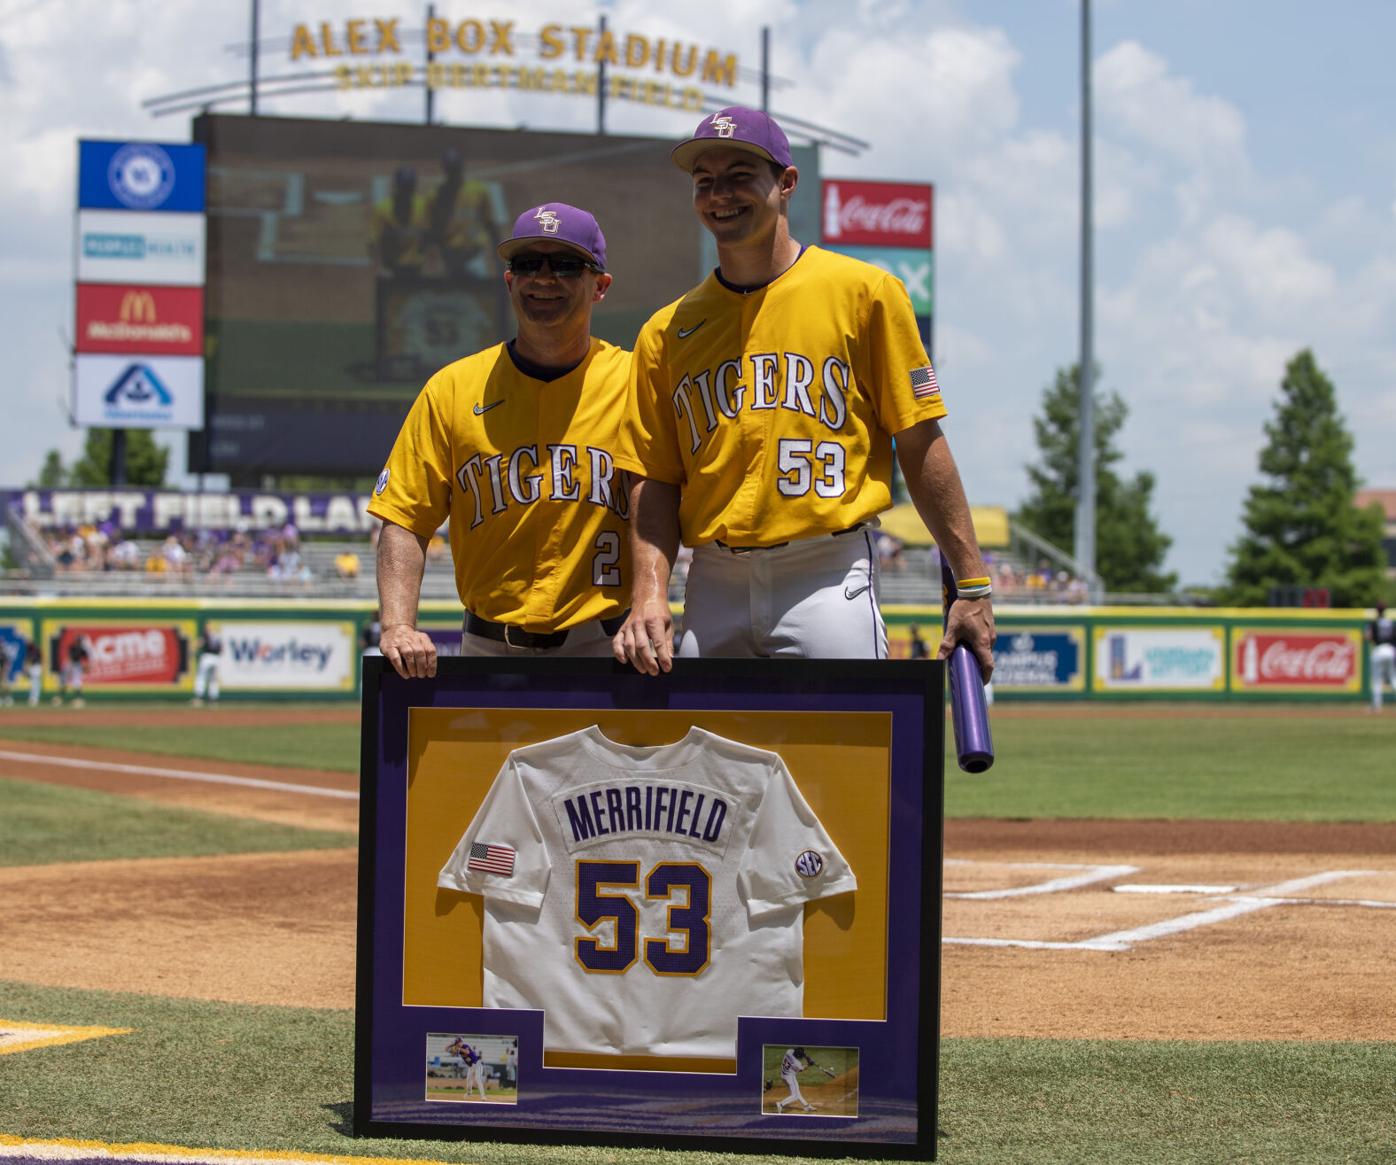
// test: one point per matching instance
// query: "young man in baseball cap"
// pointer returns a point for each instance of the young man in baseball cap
(515, 446)
(763, 409)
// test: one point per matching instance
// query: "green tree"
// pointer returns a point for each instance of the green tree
(146, 462)
(1130, 548)
(1301, 527)
(53, 474)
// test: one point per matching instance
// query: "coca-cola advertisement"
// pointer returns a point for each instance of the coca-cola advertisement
(877, 214)
(1296, 660)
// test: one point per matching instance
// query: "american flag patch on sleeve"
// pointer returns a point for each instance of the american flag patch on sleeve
(490, 859)
(923, 383)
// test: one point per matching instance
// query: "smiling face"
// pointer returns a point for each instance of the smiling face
(739, 195)
(546, 300)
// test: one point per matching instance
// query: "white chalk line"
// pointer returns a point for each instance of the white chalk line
(1087, 876)
(181, 775)
(1233, 906)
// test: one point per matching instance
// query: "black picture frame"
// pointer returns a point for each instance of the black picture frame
(895, 1058)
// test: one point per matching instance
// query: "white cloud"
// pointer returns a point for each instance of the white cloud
(1137, 97)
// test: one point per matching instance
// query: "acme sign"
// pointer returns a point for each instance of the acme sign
(557, 45)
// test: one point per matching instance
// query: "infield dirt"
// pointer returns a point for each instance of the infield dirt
(279, 928)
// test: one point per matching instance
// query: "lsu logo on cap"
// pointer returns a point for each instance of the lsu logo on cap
(382, 483)
(548, 220)
(724, 125)
(808, 864)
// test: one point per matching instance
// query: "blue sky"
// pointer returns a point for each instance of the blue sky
(1245, 158)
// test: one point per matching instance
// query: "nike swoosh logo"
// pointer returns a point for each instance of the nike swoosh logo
(481, 410)
(684, 333)
(854, 592)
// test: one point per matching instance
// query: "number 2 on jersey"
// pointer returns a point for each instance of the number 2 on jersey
(604, 892)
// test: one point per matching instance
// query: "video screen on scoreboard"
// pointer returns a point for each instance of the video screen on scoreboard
(348, 261)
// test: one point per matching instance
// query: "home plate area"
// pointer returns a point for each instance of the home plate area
(1120, 907)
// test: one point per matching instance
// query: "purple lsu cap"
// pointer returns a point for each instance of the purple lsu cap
(556, 222)
(738, 127)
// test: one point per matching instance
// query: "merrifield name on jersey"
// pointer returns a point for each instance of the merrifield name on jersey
(574, 474)
(756, 382)
(654, 810)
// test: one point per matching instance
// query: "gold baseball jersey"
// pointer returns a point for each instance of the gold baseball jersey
(774, 410)
(525, 470)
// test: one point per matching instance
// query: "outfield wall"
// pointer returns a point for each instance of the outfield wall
(311, 650)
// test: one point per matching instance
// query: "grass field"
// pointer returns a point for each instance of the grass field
(197, 1073)
(1308, 766)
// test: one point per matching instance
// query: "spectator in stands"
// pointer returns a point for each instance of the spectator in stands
(346, 564)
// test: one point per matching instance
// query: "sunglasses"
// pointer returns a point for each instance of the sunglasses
(563, 266)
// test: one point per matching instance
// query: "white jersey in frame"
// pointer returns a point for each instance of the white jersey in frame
(645, 897)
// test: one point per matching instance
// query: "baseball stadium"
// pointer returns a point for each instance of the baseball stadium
(240, 908)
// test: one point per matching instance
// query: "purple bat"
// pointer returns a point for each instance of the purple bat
(969, 710)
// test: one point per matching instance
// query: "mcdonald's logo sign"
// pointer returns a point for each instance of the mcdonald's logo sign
(151, 321)
(138, 307)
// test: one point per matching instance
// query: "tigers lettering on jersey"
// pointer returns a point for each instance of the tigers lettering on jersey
(646, 810)
(703, 399)
(494, 483)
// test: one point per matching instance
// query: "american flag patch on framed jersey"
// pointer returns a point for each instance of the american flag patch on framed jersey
(923, 383)
(490, 859)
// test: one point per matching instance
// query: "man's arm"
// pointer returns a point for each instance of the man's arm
(646, 639)
(402, 557)
(933, 480)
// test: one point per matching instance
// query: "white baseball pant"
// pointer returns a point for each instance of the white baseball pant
(1383, 671)
(815, 598)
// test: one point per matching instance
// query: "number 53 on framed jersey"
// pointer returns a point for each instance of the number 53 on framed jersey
(694, 911)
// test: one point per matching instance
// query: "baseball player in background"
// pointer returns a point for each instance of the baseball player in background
(763, 408)
(1381, 634)
(474, 1062)
(515, 445)
(791, 1065)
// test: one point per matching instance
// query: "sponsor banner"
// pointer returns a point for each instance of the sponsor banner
(156, 321)
(122, 654)
(138, 392)
(148, 512)
(1288, 659)
(1040, 659)
(916, 270)
(877, 214)
(141, 176)
(14, 641)
(1162, 659)
(130, 247)
(265, 655)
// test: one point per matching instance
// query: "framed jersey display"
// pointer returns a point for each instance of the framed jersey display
(694, 911)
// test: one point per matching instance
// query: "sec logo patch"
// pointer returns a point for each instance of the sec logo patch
(808, 864)
(382, 483)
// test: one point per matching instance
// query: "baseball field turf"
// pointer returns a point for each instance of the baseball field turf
(1167, 1053)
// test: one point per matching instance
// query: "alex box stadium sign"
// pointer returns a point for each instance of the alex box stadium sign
(1296, 660)
(490, 53)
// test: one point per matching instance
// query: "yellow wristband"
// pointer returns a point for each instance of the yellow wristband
(960, 584)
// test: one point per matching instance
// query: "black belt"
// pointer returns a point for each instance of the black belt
(777, 545)
(512, 636)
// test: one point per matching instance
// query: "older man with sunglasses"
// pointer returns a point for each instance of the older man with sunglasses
(514, 445)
